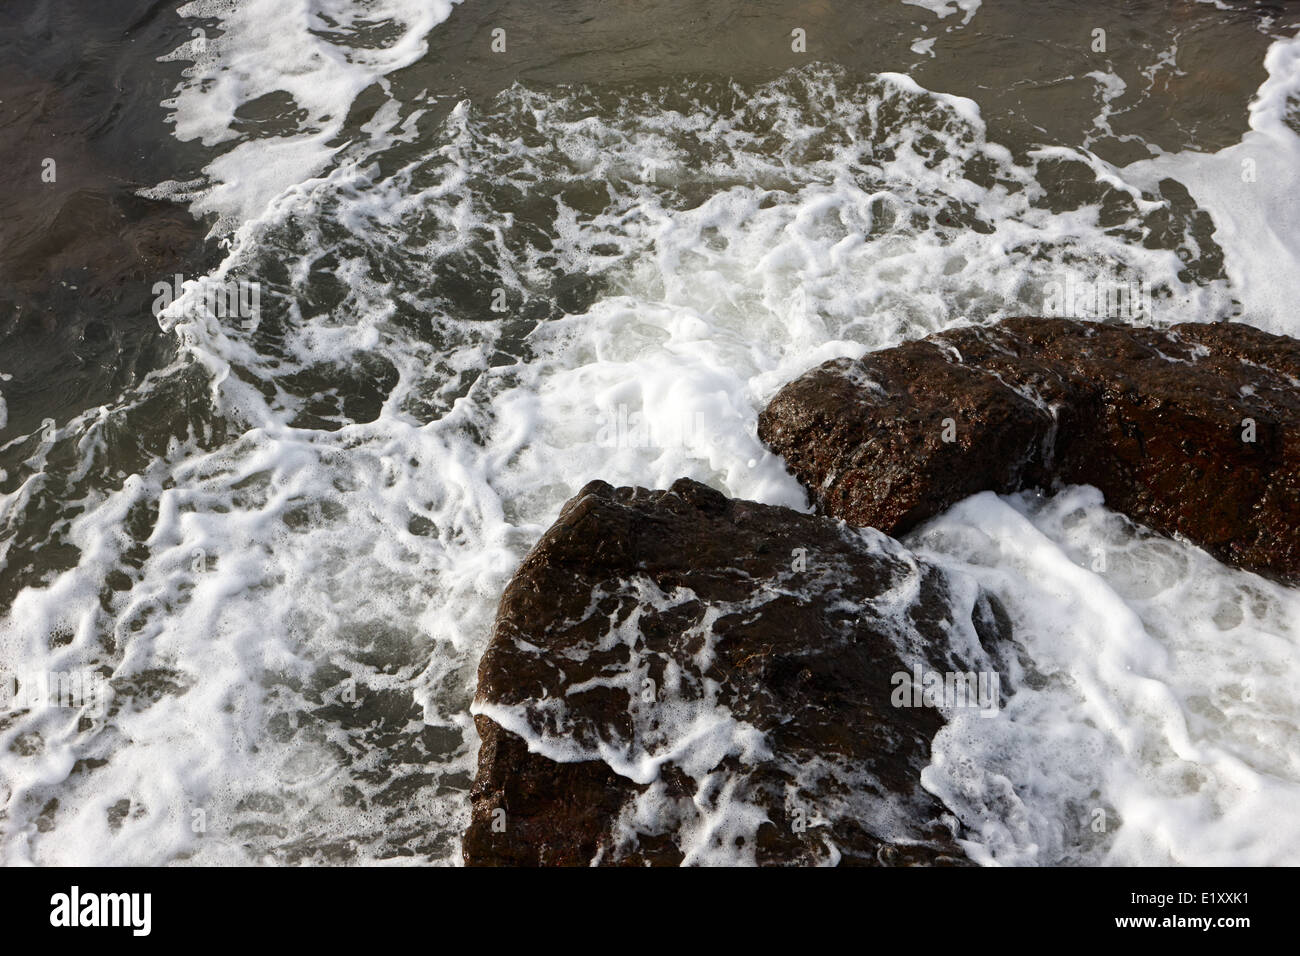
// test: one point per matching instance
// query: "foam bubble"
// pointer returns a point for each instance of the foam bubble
(1252, 190)
(1151, 721)
(319, 54)
(946, 8)
(289, 588)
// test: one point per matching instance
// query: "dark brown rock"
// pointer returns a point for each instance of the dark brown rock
(695, 675)
(1158, 420)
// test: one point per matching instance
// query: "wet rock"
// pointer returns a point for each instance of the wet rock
(1192, 431)
(679, 677)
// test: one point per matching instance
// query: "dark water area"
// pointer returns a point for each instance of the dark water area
(1025, 63)
(79, 249)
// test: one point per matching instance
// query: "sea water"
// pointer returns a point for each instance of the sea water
(479, 287)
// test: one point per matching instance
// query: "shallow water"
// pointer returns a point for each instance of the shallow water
(483, 279)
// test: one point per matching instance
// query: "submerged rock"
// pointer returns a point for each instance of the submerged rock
(1194, 430)
(676, 676)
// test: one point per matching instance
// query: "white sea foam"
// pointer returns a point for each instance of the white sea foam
(942, 8)
(946, 8)
(1252, 190)
(1153, 720)
(390, 455)
(321, 53)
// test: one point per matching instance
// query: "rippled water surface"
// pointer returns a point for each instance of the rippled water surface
(278, 536)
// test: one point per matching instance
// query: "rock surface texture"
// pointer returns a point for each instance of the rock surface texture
(1193, 430)
(678, 677)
